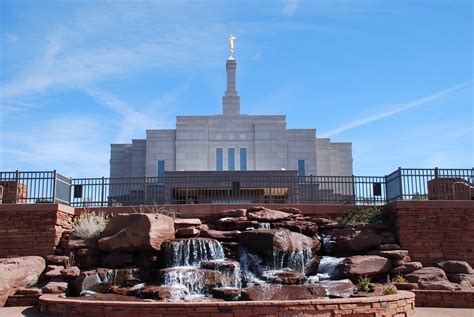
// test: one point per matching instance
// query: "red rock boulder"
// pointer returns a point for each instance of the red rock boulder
(18, 272)
(283, 292)
(278, 240)
(268, 215)
(136, 232)
(356, 266)
(348, 241)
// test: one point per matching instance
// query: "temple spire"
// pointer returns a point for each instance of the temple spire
(231, 99)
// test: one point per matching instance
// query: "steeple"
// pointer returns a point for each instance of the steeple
(231, 99)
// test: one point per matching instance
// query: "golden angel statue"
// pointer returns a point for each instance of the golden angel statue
(231, 44)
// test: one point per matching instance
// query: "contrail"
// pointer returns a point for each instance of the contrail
(398, 108)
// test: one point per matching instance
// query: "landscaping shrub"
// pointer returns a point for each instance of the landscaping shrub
(89, 225)
(371, 214)
(364, 284)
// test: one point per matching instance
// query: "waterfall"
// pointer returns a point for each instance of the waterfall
(191, 252)
(327, 267)
(296, 260)
(189, 278)
(263, 225)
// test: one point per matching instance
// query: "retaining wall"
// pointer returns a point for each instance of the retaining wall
(32, 229)
(441, 298)
(399, 305)
(433, 231)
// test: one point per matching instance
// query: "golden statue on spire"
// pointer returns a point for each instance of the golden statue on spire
(231, 44)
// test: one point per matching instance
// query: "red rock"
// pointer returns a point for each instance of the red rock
(245, 225)
(234, 213)
(164, 292)
(186, 232)
(426, 274)
(277, 239)
(220, 235)
(459, 278)
(348, 241)
(187, 222)
(53, 270)
(71, 272)
(136, 232)
(339, 289)
(361, 265)
(390, 254)
(227, 293)
(255, 208)
(291, 210)
(286, 277)
(208, 278)
(407, 268)
(57, 259)
(283, 292)
(28, 291)
(431, 278)
(54, 288)
(128, 277)
(81, 244)
(18, 272)
(268, 215)
(456, 267)
(90, 281)
(322, 222)
(308, 228)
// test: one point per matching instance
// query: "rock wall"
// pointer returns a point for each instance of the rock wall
(443, 298)
(27, 229)
(434, 231)
(399, 305)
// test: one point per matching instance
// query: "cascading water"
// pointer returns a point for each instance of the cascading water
(196, 264)
(254, 267)
(191, 252)
(327, 267)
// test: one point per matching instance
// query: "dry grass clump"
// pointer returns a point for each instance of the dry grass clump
(89, 225)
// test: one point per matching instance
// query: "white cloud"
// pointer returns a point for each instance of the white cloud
(290, 7)
(396, 109)
(69, 144)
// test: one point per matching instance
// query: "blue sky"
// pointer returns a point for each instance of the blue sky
(393, 77)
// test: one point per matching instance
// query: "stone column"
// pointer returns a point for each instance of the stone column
(231, 100)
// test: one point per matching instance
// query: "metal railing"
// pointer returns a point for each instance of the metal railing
(231, 187)
(35, 187)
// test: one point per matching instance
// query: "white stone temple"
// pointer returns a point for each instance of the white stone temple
(231, 141)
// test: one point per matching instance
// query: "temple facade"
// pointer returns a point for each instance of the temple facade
(231, 141)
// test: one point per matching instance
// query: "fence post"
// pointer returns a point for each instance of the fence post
(271, 196)
(353, 190)
(70, 191)
(17, 177)
(436, 174)
(54, 186)
(187, 189)
(103, 192)
(144, 190)
(400, 185)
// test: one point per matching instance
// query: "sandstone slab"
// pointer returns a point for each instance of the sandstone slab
(136, 232)
(18, 272)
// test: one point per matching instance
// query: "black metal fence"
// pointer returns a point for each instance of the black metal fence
(232, 187)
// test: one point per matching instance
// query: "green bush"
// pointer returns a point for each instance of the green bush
(89, 225)
(388, 289)
(399, 279)
(363, 284)
(363, 215)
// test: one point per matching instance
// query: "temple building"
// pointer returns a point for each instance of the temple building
(230, 141)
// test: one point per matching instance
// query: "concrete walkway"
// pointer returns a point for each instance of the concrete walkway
(420, 312)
